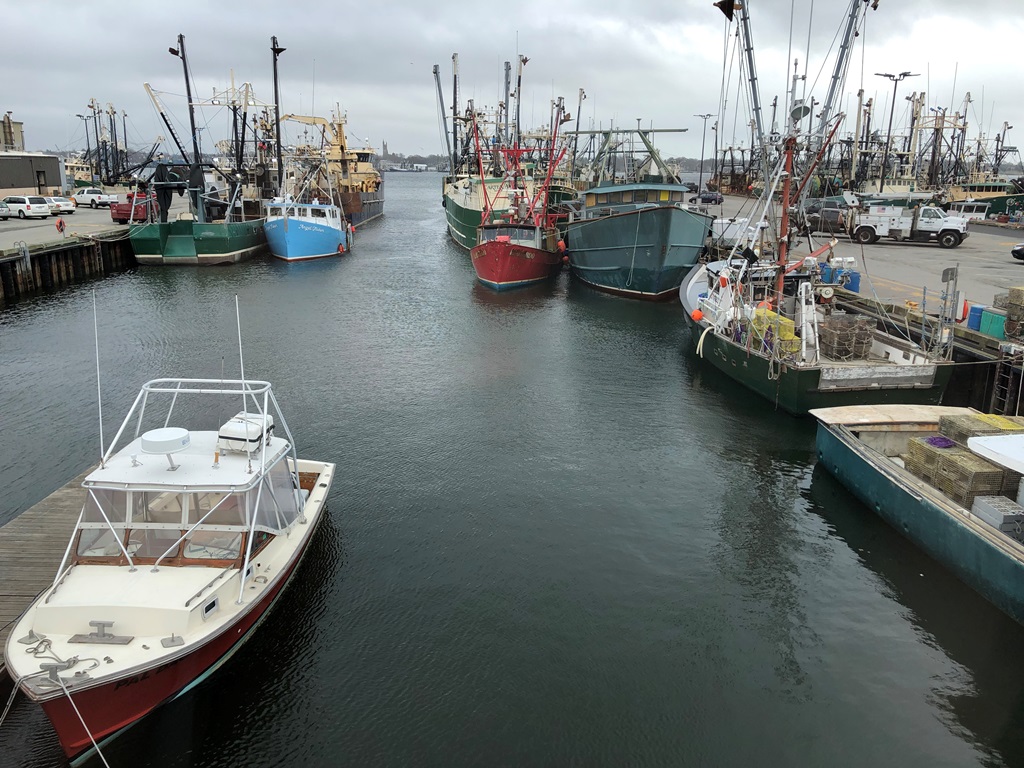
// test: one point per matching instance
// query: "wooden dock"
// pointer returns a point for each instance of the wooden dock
(31, 548)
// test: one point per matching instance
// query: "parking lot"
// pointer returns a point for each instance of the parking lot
(84, 221)
(903, 271)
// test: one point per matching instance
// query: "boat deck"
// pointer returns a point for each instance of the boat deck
(31, 548)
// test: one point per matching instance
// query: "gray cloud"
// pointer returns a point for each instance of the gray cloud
(659, 60)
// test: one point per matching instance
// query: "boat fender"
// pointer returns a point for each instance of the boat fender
(700, 344)
(341, 247)
(964, 312)
(697, 315)
(723, 281)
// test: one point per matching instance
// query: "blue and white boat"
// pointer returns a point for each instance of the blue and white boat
(300, 231)
(957, 499)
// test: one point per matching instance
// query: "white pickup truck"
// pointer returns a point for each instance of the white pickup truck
(920, 223)
(93, 197)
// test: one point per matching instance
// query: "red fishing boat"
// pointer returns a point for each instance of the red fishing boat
(510, 255)
(521, 245)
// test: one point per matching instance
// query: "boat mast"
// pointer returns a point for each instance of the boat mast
(277, 51)
(180, 53)
(576, 138)
(508, 85)
(835, 86)
(455, 108)
(519, 95)
(784, 223)
(444, 119)
(163, 116)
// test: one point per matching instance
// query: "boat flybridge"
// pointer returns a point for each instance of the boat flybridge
(184, 542)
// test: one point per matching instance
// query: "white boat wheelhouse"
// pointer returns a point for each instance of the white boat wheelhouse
(170, 498)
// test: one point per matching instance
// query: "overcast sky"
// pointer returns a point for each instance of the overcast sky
(658, 60)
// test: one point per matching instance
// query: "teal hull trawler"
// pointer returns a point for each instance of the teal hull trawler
(633, 234)
(637, 240)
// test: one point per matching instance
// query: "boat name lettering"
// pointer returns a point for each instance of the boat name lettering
(131, 680)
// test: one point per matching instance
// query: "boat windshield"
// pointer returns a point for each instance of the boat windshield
(181, 527)
(511, 233)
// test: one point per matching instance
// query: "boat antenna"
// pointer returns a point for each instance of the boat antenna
(241, 361)
(241, 365)
(99, 394)
(277, 51)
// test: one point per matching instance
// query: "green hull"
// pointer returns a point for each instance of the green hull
(462, 222)
(926, 517)
(189, 242)
(797, 390)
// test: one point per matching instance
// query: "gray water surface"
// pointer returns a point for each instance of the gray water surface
(555, 537)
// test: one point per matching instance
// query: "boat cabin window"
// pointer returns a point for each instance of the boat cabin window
(103, 505)
(591, 199)
(627, 196)
(227, 509)
(213, 545)
(318, 213)
(515, 234)
(278, 505)
(677, 197)
(156, 507)
(151, 543)
(602, 199)
(274, 211)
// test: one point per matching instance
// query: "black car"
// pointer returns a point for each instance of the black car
(1018, 251)
(827, 216)
(709, 198)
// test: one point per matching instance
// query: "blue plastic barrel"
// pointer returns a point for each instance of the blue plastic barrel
(974, 317)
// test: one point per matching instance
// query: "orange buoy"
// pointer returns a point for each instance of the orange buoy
(561, 246)
(723, 280)
(697, 315)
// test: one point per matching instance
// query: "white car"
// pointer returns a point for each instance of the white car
(94, 197)
(5, 212)
(59, 205)
(28, 206)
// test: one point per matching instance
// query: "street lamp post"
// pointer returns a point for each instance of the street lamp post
(703, 136)
(888, 139)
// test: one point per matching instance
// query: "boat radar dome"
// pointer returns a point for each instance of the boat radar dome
(166, 440)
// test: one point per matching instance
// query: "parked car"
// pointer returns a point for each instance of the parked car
(708, 198)
(1018, 251)
(59, 205)
(827, 216)
(93, 197)
(28, 206)
(5, 212)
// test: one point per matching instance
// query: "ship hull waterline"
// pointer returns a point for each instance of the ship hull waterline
(195, 243)
(504, 266)
(640, 254)
(797, 390)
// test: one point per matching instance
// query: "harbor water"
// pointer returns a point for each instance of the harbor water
(555, 536)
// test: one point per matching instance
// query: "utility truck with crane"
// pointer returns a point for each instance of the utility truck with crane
(869, 221)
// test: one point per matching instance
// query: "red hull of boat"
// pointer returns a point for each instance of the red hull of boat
(502, 265)
(109, 708)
